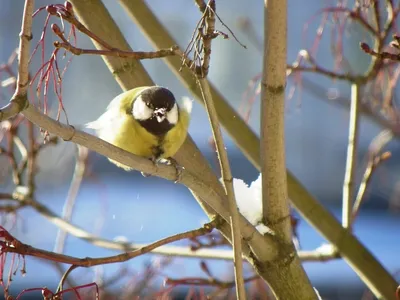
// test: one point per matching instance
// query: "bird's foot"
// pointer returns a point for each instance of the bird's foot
(171, 162)
(178, 168)
(145, 174)
(155, 161)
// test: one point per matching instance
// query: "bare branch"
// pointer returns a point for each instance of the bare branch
(12, 245)
(275, 202)
(108, 52)
(206, 281)
(375, 159)
(19, 99)
(351, 160)
(304, 55)
(382, 55)
(209, 14)
(77, 178)
(116, 52)
(228, 184)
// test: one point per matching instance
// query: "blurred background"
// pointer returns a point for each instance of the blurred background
(114, 204)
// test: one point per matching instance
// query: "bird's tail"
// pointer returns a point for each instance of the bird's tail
(187, 104)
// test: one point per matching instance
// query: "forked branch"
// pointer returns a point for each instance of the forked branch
(20, 99)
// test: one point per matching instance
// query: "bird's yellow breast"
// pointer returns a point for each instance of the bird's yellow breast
(134, 138)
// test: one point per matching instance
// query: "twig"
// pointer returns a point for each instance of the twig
(206, 38)
(80, 167)
(351, 160)
(19, 99)
(228, 184)
(201, 4)
(12, 141)
(198, 281)
(117, 53)
(31, 158)
(208, 34)
(382, 55)
(374, 160)
(108, 52)
(321, 254)
(12, 245)
(65, 277)
(316, 68)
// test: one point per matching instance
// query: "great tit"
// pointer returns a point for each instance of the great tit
(146, 121)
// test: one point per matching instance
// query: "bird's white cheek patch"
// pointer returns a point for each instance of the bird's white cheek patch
(140, 111)
(172, 115)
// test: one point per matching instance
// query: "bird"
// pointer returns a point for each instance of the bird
(146, 121)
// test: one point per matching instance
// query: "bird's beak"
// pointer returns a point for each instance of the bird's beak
(159, 113)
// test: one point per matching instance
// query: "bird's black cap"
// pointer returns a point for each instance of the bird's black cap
(158, 97)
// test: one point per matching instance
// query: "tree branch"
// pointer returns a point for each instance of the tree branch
(76, 181)
(320, 254)
(12, 245)
(375, 158)
(216, 198)
(351, 160)
(287, 277)
(208, 12)
(228, 184)
(19, 99)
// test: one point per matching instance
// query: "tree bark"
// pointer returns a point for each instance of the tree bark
(285, 275)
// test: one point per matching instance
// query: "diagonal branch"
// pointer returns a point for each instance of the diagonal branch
(206, 38)
(228, 184)
(215, 198)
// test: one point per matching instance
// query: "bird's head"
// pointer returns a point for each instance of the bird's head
(156, 110)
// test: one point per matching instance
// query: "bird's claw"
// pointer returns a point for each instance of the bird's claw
(155, 162)
(170, 161)
(178, 168)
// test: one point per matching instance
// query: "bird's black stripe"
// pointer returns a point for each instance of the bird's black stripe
(155, 127)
